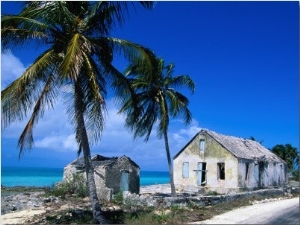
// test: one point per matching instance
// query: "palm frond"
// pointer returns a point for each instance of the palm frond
(73, 59)
(157, 96)
(134, 52)
(46, 98)
(182, 81)
(20, 96)
(94, 90)
(18, 30)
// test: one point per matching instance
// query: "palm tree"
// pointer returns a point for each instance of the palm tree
(79, 55)
(288, 153)
(157, 100)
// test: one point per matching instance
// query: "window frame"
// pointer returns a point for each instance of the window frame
(202, 143)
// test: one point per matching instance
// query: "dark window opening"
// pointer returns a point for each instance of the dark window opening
(247, 171)
(202, 173)
(221, 171)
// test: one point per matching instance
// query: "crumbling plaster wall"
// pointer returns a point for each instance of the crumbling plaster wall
(261, 174)
(247, 174)
(273, 174)
(213, 154)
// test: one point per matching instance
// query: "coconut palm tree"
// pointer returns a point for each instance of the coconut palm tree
(157, 100)
(79, 56)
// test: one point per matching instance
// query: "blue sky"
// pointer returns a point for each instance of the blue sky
(243, 57)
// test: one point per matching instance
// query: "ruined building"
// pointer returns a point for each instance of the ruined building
(112, 174)
(222, 163)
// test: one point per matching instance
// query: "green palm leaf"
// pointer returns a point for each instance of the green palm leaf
(80, 56)
(156, 98)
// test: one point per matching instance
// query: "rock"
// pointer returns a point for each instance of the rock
(21, 201)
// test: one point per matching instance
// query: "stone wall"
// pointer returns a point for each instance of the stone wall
(130, 199)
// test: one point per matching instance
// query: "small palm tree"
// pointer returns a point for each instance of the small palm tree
(79, 55)
(157, 100)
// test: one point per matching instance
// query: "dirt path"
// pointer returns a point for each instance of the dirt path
(277, 212)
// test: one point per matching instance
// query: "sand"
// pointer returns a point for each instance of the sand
(20, 217)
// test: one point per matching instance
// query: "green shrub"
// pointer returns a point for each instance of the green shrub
(118, 198)
(295, 175)
(76, 186)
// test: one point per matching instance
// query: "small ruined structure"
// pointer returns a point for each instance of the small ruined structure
(112, 174)
(216, 162)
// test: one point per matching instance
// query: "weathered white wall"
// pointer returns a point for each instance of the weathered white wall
(213, 154)
(251, 181)
(69, 170)
(263, 174)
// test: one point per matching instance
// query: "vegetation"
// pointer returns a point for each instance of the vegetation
(289, 154)
(157, 99)
(78, 58)
(76, 186)
(147, 215)
(118, 198)
(295, 175)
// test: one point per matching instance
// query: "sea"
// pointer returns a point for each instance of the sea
(48, 177)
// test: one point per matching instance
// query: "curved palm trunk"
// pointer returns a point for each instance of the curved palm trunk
(173, 192)
(81, 131)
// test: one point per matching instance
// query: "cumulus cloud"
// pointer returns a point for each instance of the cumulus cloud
(11, 68)
(58, 143)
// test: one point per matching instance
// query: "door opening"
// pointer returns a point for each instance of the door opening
(201, 180)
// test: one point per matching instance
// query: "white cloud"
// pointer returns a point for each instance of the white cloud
(11, 68)
(54, 132)
(191, 130)
(58, 143)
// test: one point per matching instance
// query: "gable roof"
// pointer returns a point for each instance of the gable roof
(99, 160)
(239, 147)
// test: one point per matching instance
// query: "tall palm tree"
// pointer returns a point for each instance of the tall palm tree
(157, 100)
(79, 55)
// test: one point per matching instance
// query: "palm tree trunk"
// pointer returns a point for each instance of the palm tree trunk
(173, 191)
(89, 169)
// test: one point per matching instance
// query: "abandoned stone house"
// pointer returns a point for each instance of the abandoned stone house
(216, 162)
(112, 174)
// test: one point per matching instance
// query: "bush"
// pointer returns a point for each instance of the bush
(295, 175)
(118, 198)
(76, 186)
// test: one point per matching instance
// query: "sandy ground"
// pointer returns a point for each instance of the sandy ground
(19, 217)
(278, 212)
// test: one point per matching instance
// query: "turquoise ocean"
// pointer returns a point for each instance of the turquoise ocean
(41, 177)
